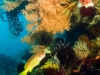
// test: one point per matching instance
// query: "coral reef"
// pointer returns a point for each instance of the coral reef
(78, 22)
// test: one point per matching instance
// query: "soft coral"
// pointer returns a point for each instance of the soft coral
(87, 12)
(85, 2)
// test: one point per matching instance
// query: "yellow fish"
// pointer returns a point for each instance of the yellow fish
(32, 62)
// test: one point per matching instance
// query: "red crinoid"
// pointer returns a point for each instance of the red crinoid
(87, 11)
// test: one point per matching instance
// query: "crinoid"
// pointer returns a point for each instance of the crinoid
(64, 52)
(69, 6)
(40, 49)
(43, 37)
(81, 50)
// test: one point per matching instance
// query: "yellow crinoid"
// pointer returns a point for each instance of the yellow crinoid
(40, 49)
(81, 49)
(50, 64)
(69, 6)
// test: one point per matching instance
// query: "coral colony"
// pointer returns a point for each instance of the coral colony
(76, 53)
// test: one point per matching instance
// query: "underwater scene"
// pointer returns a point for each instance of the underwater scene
(50, 37)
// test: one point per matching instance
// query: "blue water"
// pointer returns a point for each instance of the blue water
(9, 43)
(11, 48)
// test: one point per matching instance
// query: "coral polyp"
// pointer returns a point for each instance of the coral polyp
(87, 12)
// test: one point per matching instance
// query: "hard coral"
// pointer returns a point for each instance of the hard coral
(87, 12)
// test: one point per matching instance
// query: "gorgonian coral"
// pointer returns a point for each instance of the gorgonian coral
(87, 12)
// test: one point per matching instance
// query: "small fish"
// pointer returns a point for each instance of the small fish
(9, 48)
(10, 43)
(97, 57)
(32, 62)
(75, 71)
